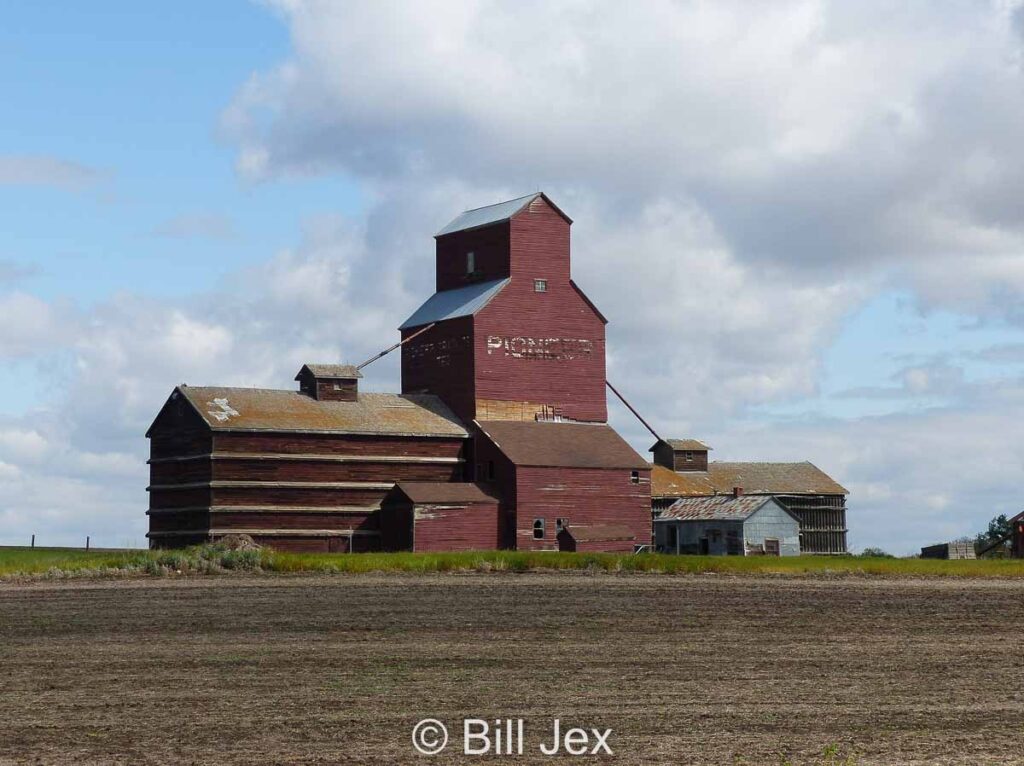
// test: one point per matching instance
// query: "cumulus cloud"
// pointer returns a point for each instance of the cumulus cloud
(41, 170)
(743, 177)
(816, 136)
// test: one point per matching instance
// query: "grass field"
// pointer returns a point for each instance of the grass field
(690, 669)
(213, 559)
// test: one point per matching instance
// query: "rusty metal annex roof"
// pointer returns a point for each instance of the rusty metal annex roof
(755, 479)
(562, 445)
(331, 371)
(717, 508)
(595, 533)
(437, 492)
(256, 409)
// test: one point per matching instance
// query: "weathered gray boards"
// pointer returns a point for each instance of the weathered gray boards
(728, 525)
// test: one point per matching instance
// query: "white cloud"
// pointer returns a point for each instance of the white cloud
(196, 226)
(742, 175)
(40, 170)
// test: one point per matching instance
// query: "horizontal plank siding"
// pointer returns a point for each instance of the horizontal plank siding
(582, 496)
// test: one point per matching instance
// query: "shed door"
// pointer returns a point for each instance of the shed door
(771, 547)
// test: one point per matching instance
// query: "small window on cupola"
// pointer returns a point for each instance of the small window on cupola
(470, 262)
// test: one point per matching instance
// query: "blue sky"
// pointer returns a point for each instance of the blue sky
(215, 192)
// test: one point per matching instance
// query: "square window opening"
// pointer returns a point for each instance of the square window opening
(540, 285)
(634, 476)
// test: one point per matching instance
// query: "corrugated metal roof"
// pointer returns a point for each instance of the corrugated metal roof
(485, 216)
(564, 445)
(755, 478)
(460, 302)
(275, 410)
(445, 492)
(593, 533)
(717, 508)
(331, 371)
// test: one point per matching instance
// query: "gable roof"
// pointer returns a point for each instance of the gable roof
(444, 492)
(256, 409)
(593, 533)
(684, 444)
(755, 478)
(717, 508)
(491, 214)
(460, 302)
(561, 445)
(331, 371)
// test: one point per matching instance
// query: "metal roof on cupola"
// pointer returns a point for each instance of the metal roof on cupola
(492, 214)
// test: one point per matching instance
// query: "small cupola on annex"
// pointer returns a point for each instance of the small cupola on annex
(329, 382)
(681, 454)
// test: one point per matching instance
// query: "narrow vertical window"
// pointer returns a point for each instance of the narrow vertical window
(634, 476)
(540, 285)
(490, 470)
(470, 262)
(538, 529)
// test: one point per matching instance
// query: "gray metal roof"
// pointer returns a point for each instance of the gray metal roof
(449, 304)
(485, 216)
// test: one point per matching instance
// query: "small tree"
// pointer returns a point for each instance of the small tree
(876, 553)
(998, 528)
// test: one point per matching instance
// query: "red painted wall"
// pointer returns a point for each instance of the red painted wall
(490, 246)
(472, 527)
(440, 361)
(583, 496)
(544, 348)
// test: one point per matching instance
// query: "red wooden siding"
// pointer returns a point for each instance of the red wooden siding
(490, 246)
(285, 482)
(582, 496)
(484, 453)
(542, 347)
(440, 361)
(469, 527)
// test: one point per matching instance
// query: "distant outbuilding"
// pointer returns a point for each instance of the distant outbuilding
(733, 525)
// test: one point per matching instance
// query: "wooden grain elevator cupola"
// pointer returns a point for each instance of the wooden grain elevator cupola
(681, 454)
(512, 336)
(330, 382)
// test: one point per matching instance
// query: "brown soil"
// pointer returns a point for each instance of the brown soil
(684, 670)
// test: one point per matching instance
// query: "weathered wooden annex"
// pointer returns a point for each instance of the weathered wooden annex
(682, 470)
(498, 439)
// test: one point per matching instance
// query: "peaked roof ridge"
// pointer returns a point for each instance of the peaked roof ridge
(477, 217)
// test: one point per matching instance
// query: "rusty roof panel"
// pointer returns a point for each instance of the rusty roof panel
(755, 479)
(256, 409)
(562, 445)
(445, 492)
(717, 508)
